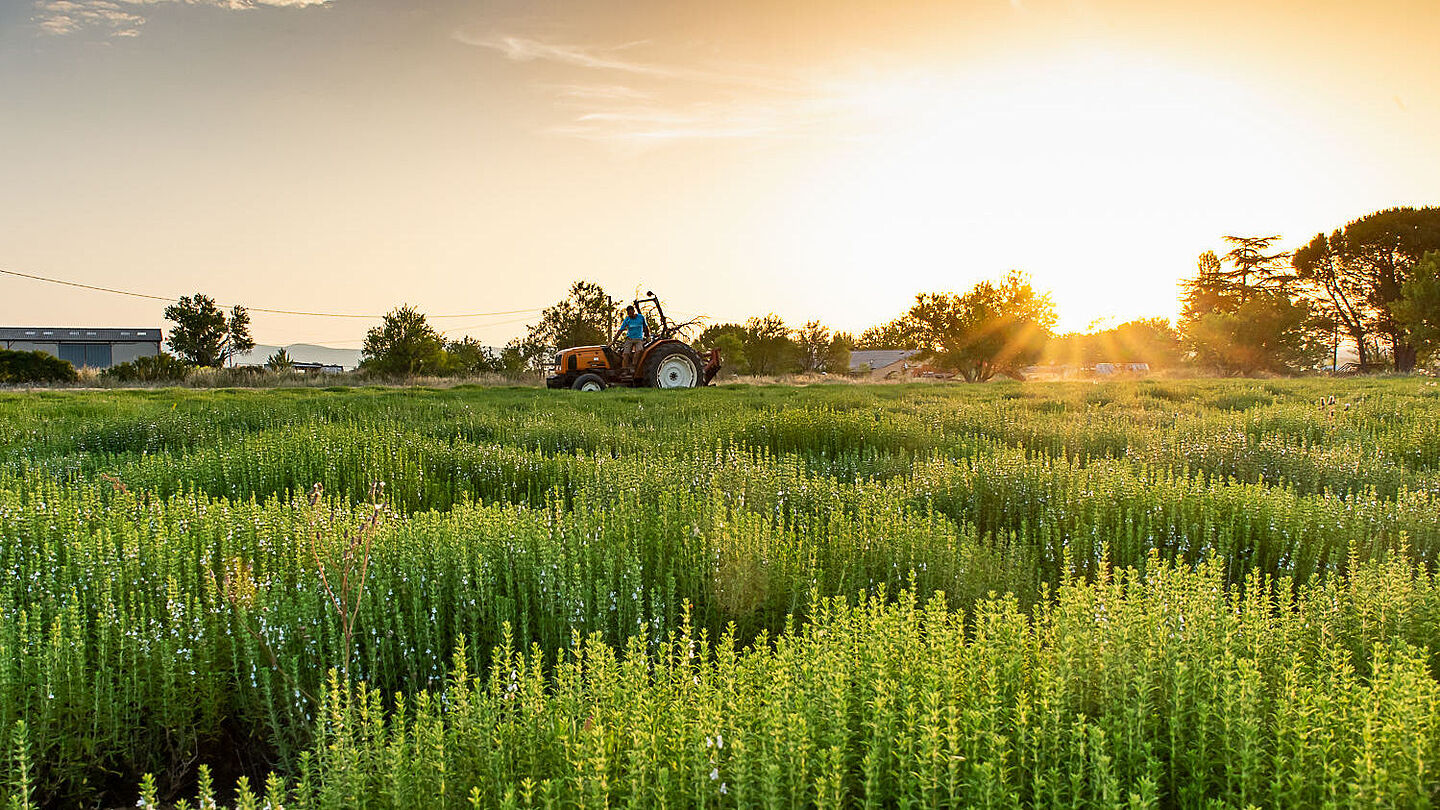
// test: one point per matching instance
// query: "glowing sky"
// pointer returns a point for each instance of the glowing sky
(821, 159)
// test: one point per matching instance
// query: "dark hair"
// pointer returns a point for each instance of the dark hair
(630, 309)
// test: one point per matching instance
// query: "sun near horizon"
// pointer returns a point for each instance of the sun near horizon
(819, 160)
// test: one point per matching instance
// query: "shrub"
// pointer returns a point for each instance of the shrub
(154, 368)
(34, 367)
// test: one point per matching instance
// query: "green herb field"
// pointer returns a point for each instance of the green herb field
(1141, 594)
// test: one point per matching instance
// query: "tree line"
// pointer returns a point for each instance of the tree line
(1372, 285)
(405, 344)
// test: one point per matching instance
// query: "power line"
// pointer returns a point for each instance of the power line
(483, 325)
(133, 294)
(452, 329)
(84, 286)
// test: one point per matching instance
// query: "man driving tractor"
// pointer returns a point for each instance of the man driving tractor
(633, 327)
(651, 355)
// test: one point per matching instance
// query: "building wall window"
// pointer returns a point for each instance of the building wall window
(94, 355)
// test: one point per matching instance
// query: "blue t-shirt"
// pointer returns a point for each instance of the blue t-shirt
(634, 327)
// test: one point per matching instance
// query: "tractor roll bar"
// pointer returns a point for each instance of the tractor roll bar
(652, 298)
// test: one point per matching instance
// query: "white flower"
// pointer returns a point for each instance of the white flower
(714, 774)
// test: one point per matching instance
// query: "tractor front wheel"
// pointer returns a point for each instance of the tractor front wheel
(589, 382)
(673, 365)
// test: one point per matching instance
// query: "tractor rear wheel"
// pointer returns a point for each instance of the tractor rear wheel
(588, 382)
(672, 365)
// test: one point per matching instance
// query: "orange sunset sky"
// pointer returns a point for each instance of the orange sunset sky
(816, 159)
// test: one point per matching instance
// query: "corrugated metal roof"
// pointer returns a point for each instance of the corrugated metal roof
(66, 334)
(879, 358)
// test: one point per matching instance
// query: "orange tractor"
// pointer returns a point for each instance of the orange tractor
(663, 360)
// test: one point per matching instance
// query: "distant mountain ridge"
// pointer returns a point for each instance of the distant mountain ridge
(302, 353)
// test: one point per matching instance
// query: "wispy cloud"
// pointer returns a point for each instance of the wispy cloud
(123, 18)
(600, 92)
(619, 59)
(68, 16)
(523, 49)
(613, 93)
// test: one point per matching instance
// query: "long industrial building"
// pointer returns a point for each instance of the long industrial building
(93, 348)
